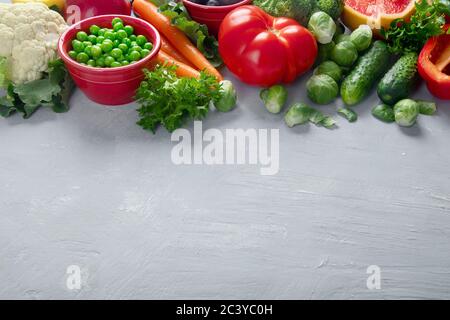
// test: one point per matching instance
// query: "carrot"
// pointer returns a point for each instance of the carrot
(183, 70)
(149, 12)
(168, 48)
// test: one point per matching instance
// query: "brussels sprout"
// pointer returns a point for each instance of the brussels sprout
(348, 114)
(229, 97)
(274, 98)
(384, 113)
(427, 108)
(341, 38)
(322, 89)
(322, 26)
(406, 112)
(328, 122)
(325, 52)
(362, 37)
(298, 113)
(318, 118)
(344, 54)
(301, 113)
(331, 69)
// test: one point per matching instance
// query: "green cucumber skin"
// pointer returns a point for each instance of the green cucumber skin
(368, 70)
(398, 83)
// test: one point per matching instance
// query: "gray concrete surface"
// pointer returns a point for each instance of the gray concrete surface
(90, 188)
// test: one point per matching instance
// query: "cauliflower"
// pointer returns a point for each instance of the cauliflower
(29, 36)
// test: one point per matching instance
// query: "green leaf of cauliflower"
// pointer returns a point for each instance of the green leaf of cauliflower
(36, 92)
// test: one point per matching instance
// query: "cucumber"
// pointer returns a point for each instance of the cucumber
(367, 71)
(400, 80)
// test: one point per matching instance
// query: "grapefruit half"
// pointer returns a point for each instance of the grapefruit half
(376, 13)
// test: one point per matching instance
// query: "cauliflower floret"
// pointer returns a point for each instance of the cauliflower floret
(29, 60)
(29, 36)
(6, 40)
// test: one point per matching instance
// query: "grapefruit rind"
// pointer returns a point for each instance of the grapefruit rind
(353, 18)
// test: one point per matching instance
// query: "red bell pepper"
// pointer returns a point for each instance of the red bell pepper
(262, 50)
(434, 65)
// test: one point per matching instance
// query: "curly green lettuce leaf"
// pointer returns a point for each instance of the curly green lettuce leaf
(167, 100)
(410, 35)
(196, 32)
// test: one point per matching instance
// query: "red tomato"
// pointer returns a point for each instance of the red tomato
(263, 50)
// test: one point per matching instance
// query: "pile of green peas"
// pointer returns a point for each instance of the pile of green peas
(110, 48)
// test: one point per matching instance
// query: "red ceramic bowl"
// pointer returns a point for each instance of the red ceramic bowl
(109, 86)
(212, 16)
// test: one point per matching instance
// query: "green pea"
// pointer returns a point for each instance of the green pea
(129, 30)
(115, 64)
(92, 39)
(145, 52)
(125, 63)
(116, 43)
(78, 46)
(91, 63)
(134, 56)
(134, 44)
(82, 36)
(127, 42)
(87, 43)
(132, 37)
(116, 53)
(116, 20)
(100, 62)
(118, 26)
(96, 51)
(101, 32)
(107, 46)
(94, 29)
(141, 40)
(73, 54)
(88, 50)
(136, 48)
(109, 60)
(82, 57)
(148, 46)
(123, 47)
(110, 35)
(121, 34)
(100, 39)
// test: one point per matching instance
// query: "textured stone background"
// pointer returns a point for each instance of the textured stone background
(90, 188)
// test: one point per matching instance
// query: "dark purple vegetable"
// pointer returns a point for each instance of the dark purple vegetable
(215, 3)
